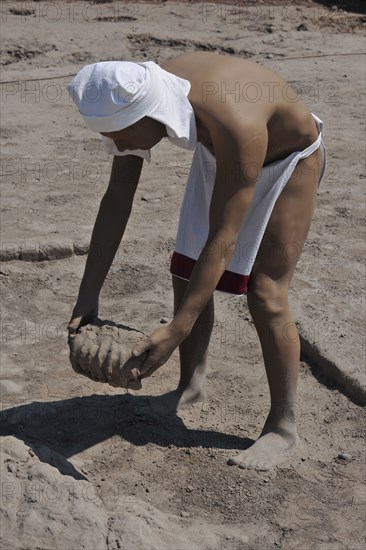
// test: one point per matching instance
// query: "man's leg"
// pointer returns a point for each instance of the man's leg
(193, 351)
(267, 296)
(193, 358)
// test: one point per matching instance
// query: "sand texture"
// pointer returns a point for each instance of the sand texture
(84, 464)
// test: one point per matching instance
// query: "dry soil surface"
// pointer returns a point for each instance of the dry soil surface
(83, 466)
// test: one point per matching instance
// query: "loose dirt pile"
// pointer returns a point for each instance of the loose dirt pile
(83, 463)
(102, 352)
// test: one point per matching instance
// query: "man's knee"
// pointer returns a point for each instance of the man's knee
(266, 296)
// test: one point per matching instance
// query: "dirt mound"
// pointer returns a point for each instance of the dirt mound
(102, 351)
(43, 495)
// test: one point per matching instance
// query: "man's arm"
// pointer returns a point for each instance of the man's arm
(239, 159)
(109, 227)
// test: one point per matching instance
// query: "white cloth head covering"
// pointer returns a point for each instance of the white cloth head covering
(112, 95)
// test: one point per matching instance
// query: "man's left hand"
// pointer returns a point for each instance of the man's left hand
(160, 344)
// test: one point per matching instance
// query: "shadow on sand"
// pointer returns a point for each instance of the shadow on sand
(70, 426)
(353, 6)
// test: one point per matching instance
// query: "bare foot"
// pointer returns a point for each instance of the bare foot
(270, 449)
(171, 402)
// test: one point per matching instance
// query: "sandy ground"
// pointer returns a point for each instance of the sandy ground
(82, 467)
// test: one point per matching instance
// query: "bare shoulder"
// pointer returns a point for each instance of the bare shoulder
(126, 165)
(239, 97)
(220, 88)
(125, 176)
(208, 63)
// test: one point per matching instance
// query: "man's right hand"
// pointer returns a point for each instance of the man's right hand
(84, 312)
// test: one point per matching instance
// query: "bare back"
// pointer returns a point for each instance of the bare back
(237, 92)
